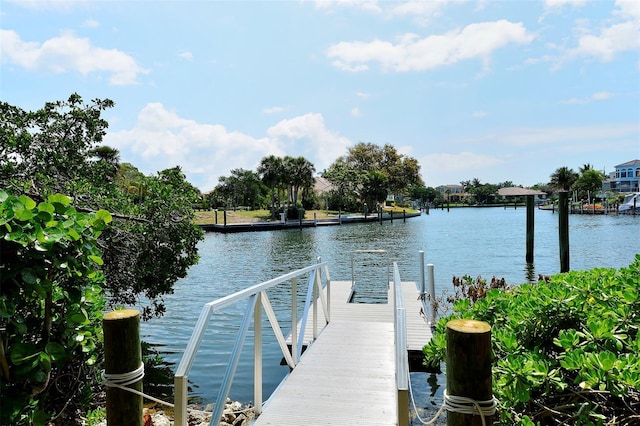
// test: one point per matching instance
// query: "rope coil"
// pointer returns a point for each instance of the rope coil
(459, 404)
(122, 380)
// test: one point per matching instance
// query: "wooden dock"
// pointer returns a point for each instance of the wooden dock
(348, 375)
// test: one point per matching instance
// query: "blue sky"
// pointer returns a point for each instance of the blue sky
(494, 90)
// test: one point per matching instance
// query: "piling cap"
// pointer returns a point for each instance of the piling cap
(120, 314)
(469, 326)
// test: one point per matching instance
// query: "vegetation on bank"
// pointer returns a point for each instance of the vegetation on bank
(566, 351)
(79, 233)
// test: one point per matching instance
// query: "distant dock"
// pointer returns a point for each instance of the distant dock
(299, 224)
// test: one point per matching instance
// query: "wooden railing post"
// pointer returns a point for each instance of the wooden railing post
(468, 368)
(563, 230)
(122, 355)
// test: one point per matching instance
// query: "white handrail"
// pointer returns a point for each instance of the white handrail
(402, 359)
(257, 302)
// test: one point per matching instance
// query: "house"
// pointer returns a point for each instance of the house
(626, 178)
(452, 193)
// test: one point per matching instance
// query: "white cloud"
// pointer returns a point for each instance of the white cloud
(602, 96)
(356, 113)
(186, 55)
(308, 136)
(363, 95)
(615, 36)
(555, 4)
(273, 110)
(161, 139)
(573, 101)
(68, 53)
(565, 136)
(412, 53)
(48, 4)
(331, 5)
(628, 8)
(609, 42)
(90, 23)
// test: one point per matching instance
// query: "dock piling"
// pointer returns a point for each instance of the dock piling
(468, 362)
(122, 356)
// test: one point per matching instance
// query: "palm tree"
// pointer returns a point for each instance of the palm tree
(563, 178)
(271, 170)
(300, 175)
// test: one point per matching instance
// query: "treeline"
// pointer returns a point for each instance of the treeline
(366, 175)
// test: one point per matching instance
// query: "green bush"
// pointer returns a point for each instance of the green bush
(564, 351)
(50, 308)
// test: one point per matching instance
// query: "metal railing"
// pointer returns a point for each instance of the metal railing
(257, 301)
(402, 358)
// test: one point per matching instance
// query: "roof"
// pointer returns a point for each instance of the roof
(516, 191)
(322, 185)
(629, 163)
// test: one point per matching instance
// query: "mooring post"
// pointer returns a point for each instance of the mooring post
(224, 215)
(530, 227)
(563, 230)
(468, 368)
(123, 356)
(432, 295)
(404, 215)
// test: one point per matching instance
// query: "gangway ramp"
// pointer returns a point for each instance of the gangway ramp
(348, 374)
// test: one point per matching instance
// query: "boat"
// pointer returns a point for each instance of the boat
(630, 202)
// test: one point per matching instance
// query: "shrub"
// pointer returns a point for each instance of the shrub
(50, 308)
(566, 350)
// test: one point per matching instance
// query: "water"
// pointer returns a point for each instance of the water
(485, 241)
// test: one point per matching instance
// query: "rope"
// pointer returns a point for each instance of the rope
(122, 380)
(458, 404)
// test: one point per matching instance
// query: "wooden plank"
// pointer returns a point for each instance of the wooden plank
(347, 376)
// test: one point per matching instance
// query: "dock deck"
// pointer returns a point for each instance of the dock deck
(348, 375)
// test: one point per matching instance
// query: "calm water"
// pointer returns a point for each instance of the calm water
(484, 242)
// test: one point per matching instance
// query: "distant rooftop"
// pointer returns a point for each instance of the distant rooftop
(516, 191)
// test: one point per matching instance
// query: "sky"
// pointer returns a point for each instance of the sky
(495, 90)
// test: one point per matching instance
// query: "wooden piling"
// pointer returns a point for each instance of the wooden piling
(122, 354)
(530, 228)
(468, 365)
(563, 230)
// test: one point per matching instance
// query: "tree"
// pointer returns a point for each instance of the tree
(563, 178)
(350, 172)
(299, 172)
(242, 188)
(57, 149)
(588, 183)
(271, 171)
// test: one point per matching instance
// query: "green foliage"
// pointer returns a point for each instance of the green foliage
(370, 172)
(152, 241)
(566, 350)
(51, 304)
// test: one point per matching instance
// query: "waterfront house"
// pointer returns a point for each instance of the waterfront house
(625, 179)
(452, 193)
